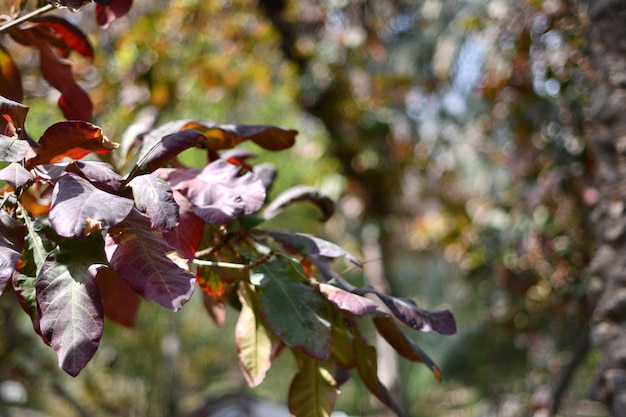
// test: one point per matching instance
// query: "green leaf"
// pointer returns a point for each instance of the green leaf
(313, 390)
(254, 343)
(70, 310)
(294, 310)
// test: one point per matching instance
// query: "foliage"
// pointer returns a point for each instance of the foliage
(81, 242)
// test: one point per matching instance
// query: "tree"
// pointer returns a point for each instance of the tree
(81, 242)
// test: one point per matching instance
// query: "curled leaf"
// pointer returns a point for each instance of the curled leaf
(300, 193)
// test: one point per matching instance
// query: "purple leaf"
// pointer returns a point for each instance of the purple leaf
(347, 301)
(16, 175)
(300, 193)
(70, 310)
(410, 314)
(12, 235)
(14, 113)
(97, 172)
(165, 150)
(310, 245)
(148, 264)
(267, 173)
(220, 194)
(154, 197)
(79, 208)
(188, 235)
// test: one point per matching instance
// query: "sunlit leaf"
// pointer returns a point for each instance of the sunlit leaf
(154, 197)
(158, 154)
(98, 172)
(16, 175)
(188, 235)
(10, 78)
(267, 173)
(220, 193)
(367, 366)
(313, 391)
(70, 309)
(300, 193)
(347, 301)
(405, 347)
(13, 149)
(12, 235)
(72, 37)
(79, 208)
(310, 245)
(254, 343)
(295, 311)
(273, 138)
(73, 139)
(148, 264)
(119, 301)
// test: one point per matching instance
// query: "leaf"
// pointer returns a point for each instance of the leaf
(403, 345)
(16, 175)
(310, 245)
(13, 149)
(107, 11)
(220, 193)
(12, 235)
(215, 309)
(13, 112)
(254, 343)
(313, 391)
(74, 101)
(120, 303)
(74, 4)
(347, 301)
(267, 173)
(410, 314)
(188, 235)
(342, 349)
(273, 138)
(78, 208)
(165, 149)
(69, 304)
(296, 312)
(154, 197)
(367, 366)
(98, 172)
(33, 255)
(71, 36)
(300, 193)
(10, 78)
(148, 264)
(74, 139)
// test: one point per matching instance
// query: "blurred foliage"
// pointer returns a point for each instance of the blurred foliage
(456, 126)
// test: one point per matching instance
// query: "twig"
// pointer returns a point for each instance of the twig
(26, 17)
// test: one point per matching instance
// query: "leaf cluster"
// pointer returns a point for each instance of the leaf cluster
(81, 242)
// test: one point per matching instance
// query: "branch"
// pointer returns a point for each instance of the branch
(26, 17)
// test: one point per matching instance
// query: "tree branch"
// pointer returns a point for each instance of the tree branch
(26, 17)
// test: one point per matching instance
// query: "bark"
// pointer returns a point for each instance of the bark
(607, 139)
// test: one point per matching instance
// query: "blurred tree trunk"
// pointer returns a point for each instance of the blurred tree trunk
(607, 138)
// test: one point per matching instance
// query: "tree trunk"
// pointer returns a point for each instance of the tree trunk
(607, 139)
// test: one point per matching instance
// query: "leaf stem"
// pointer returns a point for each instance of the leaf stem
(26, 17)
(219, 264)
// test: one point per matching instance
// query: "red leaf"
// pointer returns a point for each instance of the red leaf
(71, 36)
(12, 235)
(346, 301)
(73, 139)
(119, 301)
